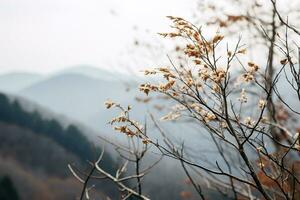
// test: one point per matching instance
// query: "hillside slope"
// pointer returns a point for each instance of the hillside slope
(34, 153)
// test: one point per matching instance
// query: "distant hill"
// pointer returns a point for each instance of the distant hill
(14, 82)
(34, 153)
(77, 92)
(80, 97)
(95, 72)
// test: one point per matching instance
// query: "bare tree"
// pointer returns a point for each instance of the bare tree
(206, 93)
(134, 153)
(260, 22)
(235, 102)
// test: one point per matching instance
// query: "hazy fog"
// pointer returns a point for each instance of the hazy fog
(48, 35)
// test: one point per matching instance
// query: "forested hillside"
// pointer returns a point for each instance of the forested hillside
(35, 152)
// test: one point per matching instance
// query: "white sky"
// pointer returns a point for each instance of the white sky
(47, 35)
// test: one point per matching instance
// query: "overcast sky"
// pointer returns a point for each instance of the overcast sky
(47, 35)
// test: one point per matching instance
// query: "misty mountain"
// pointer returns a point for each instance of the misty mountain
(96, 72)
(79, 93)
(79, 96)
(14, 82)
